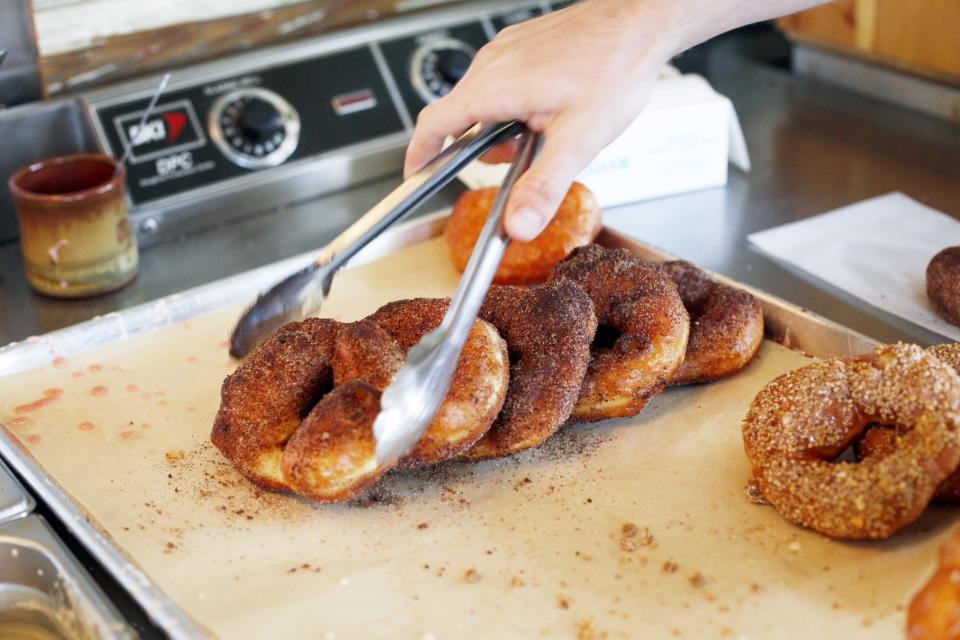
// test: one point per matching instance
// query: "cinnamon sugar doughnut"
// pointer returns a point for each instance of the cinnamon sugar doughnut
(799, 424)
(883, 440)
(264, 401)
(934, 612)
(640, 303)
(298, 412)
(943, 284)
(726, 325)
(478, 387)
(576, 223)
(548, 329)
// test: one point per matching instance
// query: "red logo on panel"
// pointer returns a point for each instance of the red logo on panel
(175, 120)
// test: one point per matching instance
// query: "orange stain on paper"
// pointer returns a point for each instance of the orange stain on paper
(85, 426)
(59, 363)
(33, 438)
(22, 421)
(132, 388)
(99, 391)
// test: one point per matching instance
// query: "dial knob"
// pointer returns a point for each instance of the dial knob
(254, 128)
(258, 121)
(438, 65)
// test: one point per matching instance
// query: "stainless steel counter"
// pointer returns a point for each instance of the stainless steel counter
(814, 148)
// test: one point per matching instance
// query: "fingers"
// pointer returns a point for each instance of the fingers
(435, 122)
(538, 193)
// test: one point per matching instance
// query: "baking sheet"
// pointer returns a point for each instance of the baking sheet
(876, 250)
(529, 546)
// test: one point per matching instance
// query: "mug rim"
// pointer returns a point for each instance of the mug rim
(115, 182)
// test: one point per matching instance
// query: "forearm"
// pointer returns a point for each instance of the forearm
(689, 22)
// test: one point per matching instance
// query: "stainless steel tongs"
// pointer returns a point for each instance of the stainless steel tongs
(302, 293)
(409, 404)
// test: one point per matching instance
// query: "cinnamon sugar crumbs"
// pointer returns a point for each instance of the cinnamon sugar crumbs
(422, 526)
(697, 580)
(175, 456)
(587, 631)
(669, 567)
(471, 576)
(563, 603)
(516, 582)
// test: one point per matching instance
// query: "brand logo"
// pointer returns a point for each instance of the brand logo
(172, 128)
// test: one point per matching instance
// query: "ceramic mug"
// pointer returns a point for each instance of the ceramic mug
(75, 236)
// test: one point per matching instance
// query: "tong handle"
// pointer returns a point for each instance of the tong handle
(417, 188)
(489, 249)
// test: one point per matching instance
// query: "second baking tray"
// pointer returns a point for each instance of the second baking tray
(537, 544)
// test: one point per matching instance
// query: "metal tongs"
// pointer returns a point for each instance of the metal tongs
(302, 293)
(410, 403)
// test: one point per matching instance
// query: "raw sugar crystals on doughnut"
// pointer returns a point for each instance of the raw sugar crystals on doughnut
(884, 440)
(641, 306)
(298, 412)
(577, 222)
(726, 325)
(799, 424)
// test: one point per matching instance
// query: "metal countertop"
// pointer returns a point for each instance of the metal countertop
(814, 147)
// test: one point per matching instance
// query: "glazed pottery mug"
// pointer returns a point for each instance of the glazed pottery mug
(75, 236)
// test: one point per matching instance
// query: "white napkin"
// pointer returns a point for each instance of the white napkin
(876, 250)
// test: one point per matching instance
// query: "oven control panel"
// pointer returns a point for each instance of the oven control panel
(301, 119)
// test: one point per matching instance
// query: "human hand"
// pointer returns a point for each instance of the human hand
(578, 76)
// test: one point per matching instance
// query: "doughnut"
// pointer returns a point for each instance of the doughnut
(880, 440)
(544, 385)
(264, 401)
(548, 329)
(799, 424)
(642, 335)
(934, 612)
(943, 284)
(726, 325)
(478, 387)
(577, 222)
(298, 412)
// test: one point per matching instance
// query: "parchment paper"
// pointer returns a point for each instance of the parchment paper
(531, 546)
(876, 250)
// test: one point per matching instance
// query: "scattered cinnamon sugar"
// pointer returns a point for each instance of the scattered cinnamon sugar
(629, 530)
(33, 438)
(563, 603)
(697, 580)
(753, 493)
(132, 388)
(516, 582)
(85, 426)
(586, 630)
(59, 363)
(669, 567)
(99, 391)
(471, 576)
(173, 457)
(95, 368)
(422, 526)
(21, 421)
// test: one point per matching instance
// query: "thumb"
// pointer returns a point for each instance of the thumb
(539, 192)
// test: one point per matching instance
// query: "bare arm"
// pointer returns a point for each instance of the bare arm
(580, 76)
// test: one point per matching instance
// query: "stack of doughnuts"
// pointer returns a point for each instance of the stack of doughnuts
(898, 407)
(603, 335)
